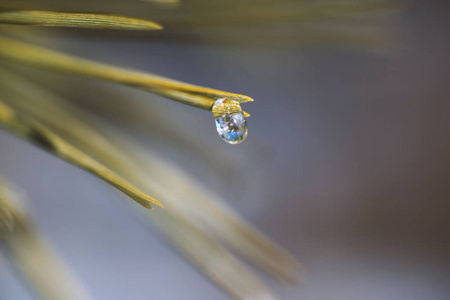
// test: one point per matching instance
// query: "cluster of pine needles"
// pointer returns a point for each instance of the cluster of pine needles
(194, 219)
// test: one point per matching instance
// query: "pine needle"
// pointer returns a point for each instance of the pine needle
(209, 211)
(40, 135)
(189, 99)
(241, 14)
(80, 20)
(201, 245)
(31, 253)
(218, 264)
(191, 233)
(7, 216)
(40, 57)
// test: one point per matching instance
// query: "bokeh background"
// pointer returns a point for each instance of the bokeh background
(346, 165)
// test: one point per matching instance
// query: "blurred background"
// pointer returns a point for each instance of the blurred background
(346, 164)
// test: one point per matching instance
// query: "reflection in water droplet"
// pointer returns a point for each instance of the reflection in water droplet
(232, 128)
(230, 121)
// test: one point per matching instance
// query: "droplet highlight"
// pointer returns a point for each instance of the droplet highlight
(230, 121)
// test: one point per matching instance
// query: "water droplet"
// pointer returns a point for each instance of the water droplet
(230, 121)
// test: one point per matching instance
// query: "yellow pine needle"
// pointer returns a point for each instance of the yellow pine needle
(189, 99)
(82, 20)
(245, 13)
(203, 246)
(40, 57)
(219, 221)
(205, 253)
(32, 254)
(167, 3)
(207, 209)
(7, 221)
(36, 133)
(44, 269)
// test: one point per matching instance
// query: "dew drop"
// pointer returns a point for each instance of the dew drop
(230, 121)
